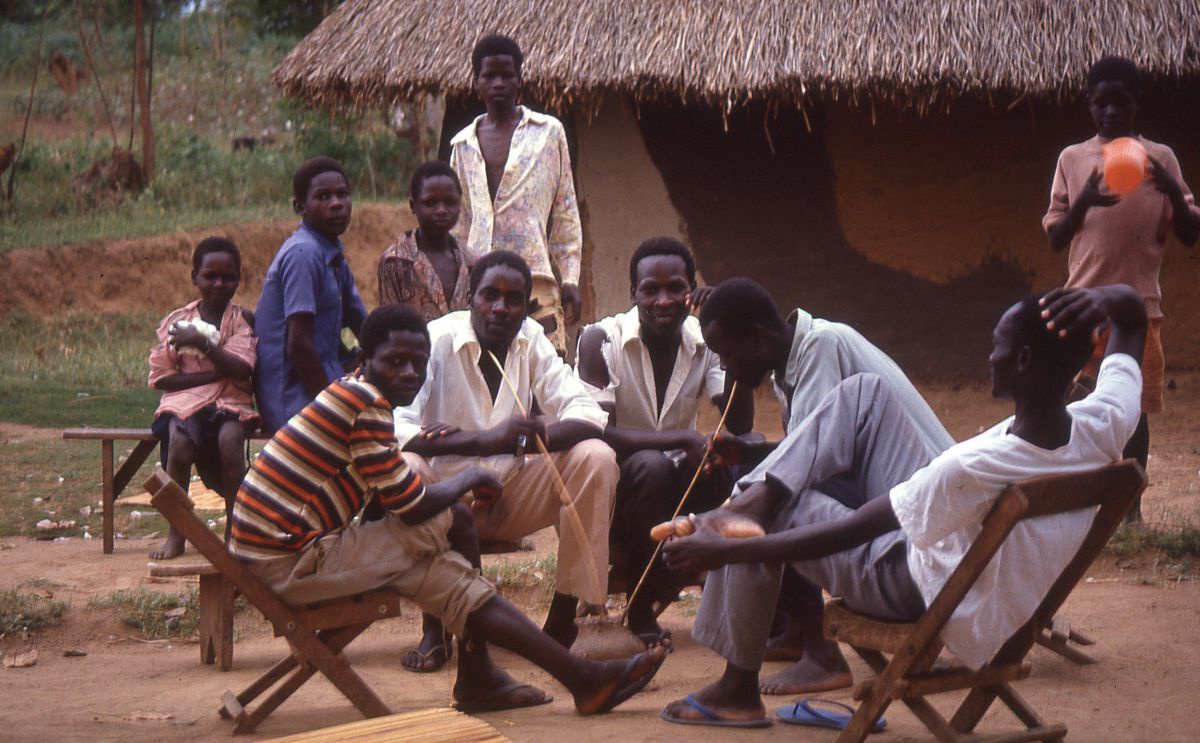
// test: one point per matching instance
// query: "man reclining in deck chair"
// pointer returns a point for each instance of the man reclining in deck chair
(847, 500)
(293, 525)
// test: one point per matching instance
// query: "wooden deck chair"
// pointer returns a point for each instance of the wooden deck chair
(909, 675)
(317, 633)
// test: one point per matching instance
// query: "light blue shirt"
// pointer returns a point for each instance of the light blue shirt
(308, 275)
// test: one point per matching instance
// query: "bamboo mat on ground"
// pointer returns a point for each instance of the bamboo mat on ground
(435, 725)
(202, 497)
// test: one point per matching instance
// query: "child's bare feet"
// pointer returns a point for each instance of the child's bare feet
(169, 549)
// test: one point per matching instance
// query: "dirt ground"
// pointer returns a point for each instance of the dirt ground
(1142, 611)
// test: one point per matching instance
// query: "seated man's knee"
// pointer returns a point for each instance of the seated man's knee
(647, 468)
(594, 453)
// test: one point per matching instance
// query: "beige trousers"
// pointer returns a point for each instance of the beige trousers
(413, 559)
(531, 502)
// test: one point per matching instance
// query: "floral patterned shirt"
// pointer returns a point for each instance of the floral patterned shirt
(406, 276)
(535, 213)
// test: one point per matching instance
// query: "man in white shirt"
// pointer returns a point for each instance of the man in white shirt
(889, 556)
(650, 369)
(466, 416)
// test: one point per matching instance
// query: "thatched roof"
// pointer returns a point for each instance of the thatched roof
(912, 53)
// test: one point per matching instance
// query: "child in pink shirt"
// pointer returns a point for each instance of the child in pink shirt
(206, 410)
(1121, 239)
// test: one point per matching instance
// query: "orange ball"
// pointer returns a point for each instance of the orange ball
(1125, 162)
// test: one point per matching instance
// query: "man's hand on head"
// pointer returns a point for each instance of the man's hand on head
(1072, 311)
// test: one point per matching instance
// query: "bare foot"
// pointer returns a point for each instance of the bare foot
(169, 549)
(807, 676)
(787, 645)
(617, 681)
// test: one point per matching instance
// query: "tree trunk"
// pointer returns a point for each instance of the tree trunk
(142, 84)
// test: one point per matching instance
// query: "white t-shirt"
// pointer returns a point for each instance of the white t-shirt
(941, 507)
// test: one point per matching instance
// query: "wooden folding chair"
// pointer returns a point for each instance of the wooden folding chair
(317, 633)
(910, 674)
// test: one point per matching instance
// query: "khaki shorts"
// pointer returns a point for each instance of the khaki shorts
(1153, 366)
(415, 560)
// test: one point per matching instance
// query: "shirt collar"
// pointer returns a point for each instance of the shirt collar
(631, 326)
(803, 321)
(331, 250)
(464, 334)
(468, 133)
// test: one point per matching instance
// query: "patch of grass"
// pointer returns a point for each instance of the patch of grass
(76, 371)
(1174, 542)
(524, 576)
(63, 477)
(22, 613)
(129, 220)
(156, 615)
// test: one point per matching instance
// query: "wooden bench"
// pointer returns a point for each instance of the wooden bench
(113, 483)
(217, 595)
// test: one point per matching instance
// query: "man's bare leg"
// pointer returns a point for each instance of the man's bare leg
(180, 457)
(596, 687)
(822, 667)
(560, 619)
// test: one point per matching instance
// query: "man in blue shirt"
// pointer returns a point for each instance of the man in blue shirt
(308, 297)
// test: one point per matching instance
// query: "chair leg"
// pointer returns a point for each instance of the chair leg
(301, 670)
(971, 711)
(216, 621)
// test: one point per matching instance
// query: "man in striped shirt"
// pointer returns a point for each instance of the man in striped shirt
(338, 458)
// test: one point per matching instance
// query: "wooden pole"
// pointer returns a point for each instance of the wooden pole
(37, 66)
(142, 87)
(87, 54)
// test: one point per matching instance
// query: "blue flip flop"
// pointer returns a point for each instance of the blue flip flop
(709, 717)
(805, 713)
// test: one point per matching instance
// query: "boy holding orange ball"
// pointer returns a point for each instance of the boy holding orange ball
(1120, 239)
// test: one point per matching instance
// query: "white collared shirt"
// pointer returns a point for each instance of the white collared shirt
(456, 393)
(696, 376)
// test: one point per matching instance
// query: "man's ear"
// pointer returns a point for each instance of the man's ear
(1024, 359)
(362, 357)
(298, 206)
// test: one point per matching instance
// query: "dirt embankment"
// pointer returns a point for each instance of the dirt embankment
(153, 273)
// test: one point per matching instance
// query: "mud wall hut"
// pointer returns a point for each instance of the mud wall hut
(884, 163)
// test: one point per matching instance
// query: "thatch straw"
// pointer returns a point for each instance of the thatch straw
(914, 54)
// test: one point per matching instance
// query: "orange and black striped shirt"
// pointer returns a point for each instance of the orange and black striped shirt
(316, 472)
